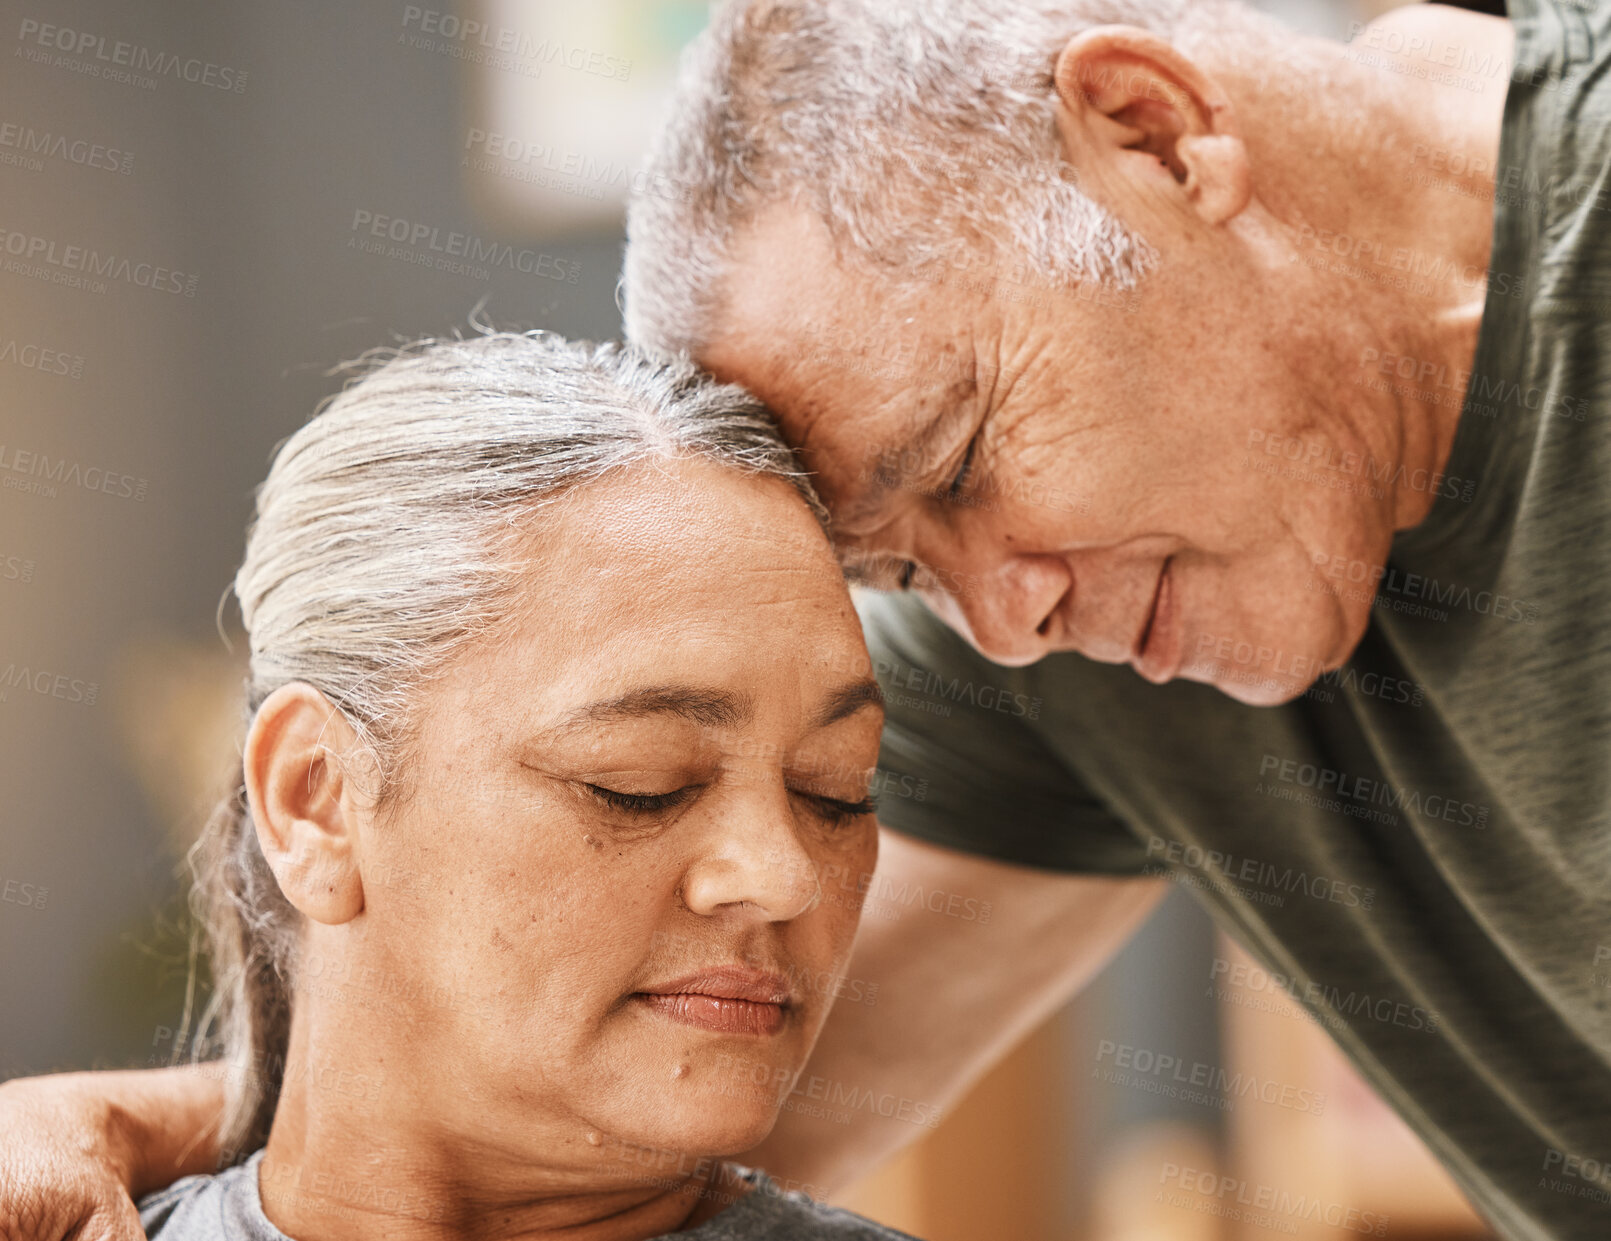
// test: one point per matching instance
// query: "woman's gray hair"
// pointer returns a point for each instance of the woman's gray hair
(921, 132)
(384, 542)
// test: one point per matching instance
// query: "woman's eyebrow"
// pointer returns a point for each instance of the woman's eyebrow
(713, 708)
(849, 699)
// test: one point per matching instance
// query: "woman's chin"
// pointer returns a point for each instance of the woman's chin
(719, 1130)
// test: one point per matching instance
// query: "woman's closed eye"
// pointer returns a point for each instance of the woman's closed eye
(836, 810)
(642, 803)
(830, 809)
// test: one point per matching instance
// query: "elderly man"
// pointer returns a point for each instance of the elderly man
(1142, 332)
(1133, 332)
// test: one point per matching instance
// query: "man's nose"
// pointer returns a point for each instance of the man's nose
(1009, 613)
(751, 857)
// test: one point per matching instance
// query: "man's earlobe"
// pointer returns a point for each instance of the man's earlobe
(297, 784)
(1217, 177)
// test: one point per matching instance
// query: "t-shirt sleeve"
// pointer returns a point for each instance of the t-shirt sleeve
(189, 1210)
(963, 764)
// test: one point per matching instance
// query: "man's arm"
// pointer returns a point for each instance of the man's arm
(76, 1148)
(956, 992)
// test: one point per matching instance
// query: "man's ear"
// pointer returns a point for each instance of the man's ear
(1135, 103)
(303, 800)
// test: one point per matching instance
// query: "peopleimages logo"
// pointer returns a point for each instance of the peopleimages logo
(28, 254)
(28, 895)
(1365, 791)
(117, 59)
(34, 146)
(885, 897)
(513, 43)
(450, 250)
(15, 569)
(1334, 1001)
(1515, 183)
(1386, 580)
(1487, 394)
(896, 676)
(47, 684)
(1463, 65)
(1128, 1061)
(39, 358)
(1310, 456)
(1587, 1177)
(1400, 265)
(762, 1081)
(42, 474)
(1260, 874)
(1267, 1199)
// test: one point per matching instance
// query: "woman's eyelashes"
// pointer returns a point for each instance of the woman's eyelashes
(835, 810)
(830, 809)
(642, 803)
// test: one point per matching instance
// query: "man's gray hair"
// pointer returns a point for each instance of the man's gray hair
(922, 132)
(391, 533)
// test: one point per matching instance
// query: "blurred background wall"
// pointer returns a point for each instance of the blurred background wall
(290, 184)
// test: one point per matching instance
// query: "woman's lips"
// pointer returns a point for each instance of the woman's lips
(724, 1000)
(711, 1012)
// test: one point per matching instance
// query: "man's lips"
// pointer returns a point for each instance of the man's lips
(724, 1000)
(1145, 635)
(1158, 650)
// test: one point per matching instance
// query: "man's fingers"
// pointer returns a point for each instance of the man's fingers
(75, 1213)
(118, 1220)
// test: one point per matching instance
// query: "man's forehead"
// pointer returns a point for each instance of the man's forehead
(859, 370)
(790, 301)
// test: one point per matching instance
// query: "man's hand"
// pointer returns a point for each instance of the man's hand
(63, 1170)
(75, 1149)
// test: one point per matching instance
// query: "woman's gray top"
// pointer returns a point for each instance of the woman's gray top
(226, 1207)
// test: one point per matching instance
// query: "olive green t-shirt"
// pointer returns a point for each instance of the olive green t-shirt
(1420, 846)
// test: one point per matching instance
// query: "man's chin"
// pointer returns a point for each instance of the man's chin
(1255, 690)
(1270, 694)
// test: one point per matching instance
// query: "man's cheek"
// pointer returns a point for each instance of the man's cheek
(1254, 631)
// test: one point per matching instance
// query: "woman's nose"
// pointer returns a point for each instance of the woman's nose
(752, 857)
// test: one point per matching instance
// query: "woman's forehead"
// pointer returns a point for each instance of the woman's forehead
(672, 571)
(675, 515)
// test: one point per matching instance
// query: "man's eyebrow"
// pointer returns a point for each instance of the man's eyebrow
(849, 699)
(712, 708)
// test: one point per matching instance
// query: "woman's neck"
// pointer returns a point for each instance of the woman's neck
(358, 1153)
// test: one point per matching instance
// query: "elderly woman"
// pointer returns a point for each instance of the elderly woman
(558, 707)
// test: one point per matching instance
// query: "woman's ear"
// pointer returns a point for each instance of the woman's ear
(1139, 114)
(303, 801)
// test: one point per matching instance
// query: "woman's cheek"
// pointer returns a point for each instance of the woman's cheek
(845, 877)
